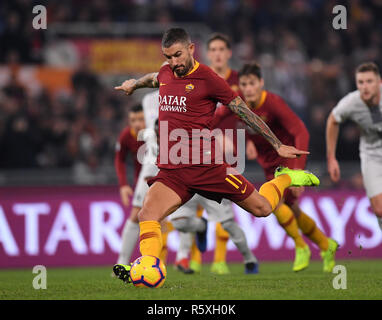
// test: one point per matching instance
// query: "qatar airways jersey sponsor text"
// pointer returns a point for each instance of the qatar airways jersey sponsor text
(172, 103)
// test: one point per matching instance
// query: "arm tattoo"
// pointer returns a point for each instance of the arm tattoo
(149, 80)
(239, 107)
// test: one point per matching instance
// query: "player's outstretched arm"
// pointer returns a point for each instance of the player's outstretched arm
(332, 130)
(239, 107)
(149, 80)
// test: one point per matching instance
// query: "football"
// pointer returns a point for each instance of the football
(148, 271)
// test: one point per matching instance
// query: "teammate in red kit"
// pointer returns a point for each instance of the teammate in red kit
(188, 93)
(128, 143)
(219, 53)
(291, 130)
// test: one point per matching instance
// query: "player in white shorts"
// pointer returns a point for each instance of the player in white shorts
(185, 219)
(364, 107)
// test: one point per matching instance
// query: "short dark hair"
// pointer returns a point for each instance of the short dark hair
(251, 68)
(368, 66)
(175, 35)
(136, 108)
(221, 37)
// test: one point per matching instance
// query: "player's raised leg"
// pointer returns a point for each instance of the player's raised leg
(262, 203)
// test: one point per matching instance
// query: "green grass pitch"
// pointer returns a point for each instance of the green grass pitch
(275, 281)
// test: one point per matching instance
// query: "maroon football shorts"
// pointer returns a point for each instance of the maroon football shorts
(211, 182)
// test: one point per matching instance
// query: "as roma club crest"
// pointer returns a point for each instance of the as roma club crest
(235, 88)
(189, 87)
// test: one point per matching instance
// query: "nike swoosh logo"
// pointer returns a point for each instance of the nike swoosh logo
(245, 189)
(162, 84)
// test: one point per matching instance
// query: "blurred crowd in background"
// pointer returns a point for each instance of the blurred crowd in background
(304, 59)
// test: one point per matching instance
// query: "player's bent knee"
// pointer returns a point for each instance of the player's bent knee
(262, 208)
(256, 205)
(265, 210)
(146, 215)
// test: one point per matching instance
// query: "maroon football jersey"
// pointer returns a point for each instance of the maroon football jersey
(127, 142)
(233, 79)
(186, 106)
(285, 124)
(229, 122)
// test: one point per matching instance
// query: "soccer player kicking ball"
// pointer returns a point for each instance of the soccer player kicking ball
(364, 107)
(185, 219)
(140, 118)
(188, 93)
(291, 130)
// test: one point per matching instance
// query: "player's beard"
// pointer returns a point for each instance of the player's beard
(251, 104)
(186, 68)
(372, 100)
